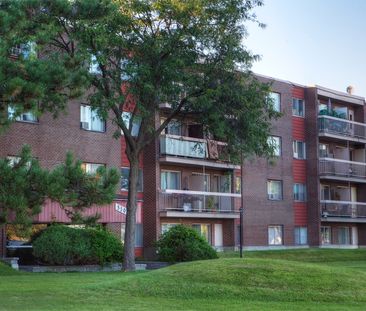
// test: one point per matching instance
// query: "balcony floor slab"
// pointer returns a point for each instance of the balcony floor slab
(177, 214)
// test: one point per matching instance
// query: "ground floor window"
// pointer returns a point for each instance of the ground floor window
(343, 236)
(325, 233)
(301, 235)
(275, 235)
(166, 227)
(139, 242)
(204, 230)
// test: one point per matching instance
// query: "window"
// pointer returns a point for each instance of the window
(174, 127)
(298, 107)
(301, 235)
(299, 192)
(274, 189)
(13, 160)
(237, 184)
(125, 178)
(275, 142)
(26, 50)
(170, 180)
(204, 230)
(94, 66)
(166, 227)
(323, 150)
(343, 235)
(275, 236)
(23, 117)
(200, 182)
(139, 235)
(89, 119)
(299, 150)
(325, 192)
(276, 101)
(91, 168)
(126, 117)
(325, 233)
(126, 67)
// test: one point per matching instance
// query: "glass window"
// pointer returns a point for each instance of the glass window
(237, 184)
(325, 233)
(298, 107)
(201, 182)
(91, 168)
(299, 150)
(301, 235)
(204, 230)
(27, 50)
(139, 235)
(299, 192)
(125, 178)
(174, 127)
(13, 160)
(275, 236)
(126, 117)
(94, 66)
(27, 116)
(275, 142)
(323, 150)
(170, 180)
(89, 119)
(343, 235)
(274, 189)
(166, 227)
(276, 101)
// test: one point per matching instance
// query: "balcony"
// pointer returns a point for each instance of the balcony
(199, 204)
(193, 151)
(337, 169)
(341, 129)
(343, 211)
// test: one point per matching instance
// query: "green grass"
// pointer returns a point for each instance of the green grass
(274, 280)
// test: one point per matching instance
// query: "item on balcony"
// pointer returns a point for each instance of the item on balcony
(187, 207)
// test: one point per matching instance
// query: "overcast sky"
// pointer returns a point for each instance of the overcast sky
(312, 42)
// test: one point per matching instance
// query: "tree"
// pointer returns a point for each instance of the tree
(24, 187)
(133, 55)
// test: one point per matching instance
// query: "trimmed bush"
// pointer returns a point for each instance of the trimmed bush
(62, 245)
(181, 243)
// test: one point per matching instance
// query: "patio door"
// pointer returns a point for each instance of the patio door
(218, 236)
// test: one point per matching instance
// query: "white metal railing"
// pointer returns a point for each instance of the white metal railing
(341, 127)
(347, 209)
(342, 168)
(199, 201)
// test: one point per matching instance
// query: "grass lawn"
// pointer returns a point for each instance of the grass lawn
(272, 280)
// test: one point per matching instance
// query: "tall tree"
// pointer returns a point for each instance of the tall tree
(25, 186)
(133, 55)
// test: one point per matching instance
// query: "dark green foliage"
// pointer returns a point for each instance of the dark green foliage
(61, 245)
(181, 243)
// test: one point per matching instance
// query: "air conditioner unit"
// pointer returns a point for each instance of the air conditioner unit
(84, 125)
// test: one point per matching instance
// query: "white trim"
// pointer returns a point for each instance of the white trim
(190, 192)
(342, 202)
(340, 119)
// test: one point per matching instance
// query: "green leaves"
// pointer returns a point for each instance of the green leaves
(24, 187)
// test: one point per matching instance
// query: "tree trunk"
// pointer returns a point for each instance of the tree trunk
(129, 245)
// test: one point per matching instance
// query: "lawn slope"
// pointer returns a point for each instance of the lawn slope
(258, 282)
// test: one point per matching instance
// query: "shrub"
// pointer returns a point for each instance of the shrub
(61, 245)
(181, 243)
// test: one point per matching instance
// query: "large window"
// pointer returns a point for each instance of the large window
(299, 192)
(276, 101)
(170, 180)
(89, 119)
(325, 233)
(91, 168)
(301, 235)
(298, 107)
(299, 150)
(343, 236)
(174, 127)
(136, 123)
(275, 235)
(274, 189)
(125, 179)
(275, 142)
(27, 116)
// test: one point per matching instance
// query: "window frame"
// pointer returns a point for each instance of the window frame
(298, 198)
(90, 121)
(295, 149)
(274, 106)
(19, 118)
(298, 235)
(295, 107)
(322, 230)
(84, 165)
(171, 171)
(274, 239)
(270, 141)
(140, 178)
(280, 198)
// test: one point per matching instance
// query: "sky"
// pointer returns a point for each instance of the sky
(310, 42)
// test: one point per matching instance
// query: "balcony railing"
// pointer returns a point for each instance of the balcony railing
(341, 127)
(199, 201)
(343, 209)
(342, 168)
(192, 147)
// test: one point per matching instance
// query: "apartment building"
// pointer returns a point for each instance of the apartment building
(311, 193)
